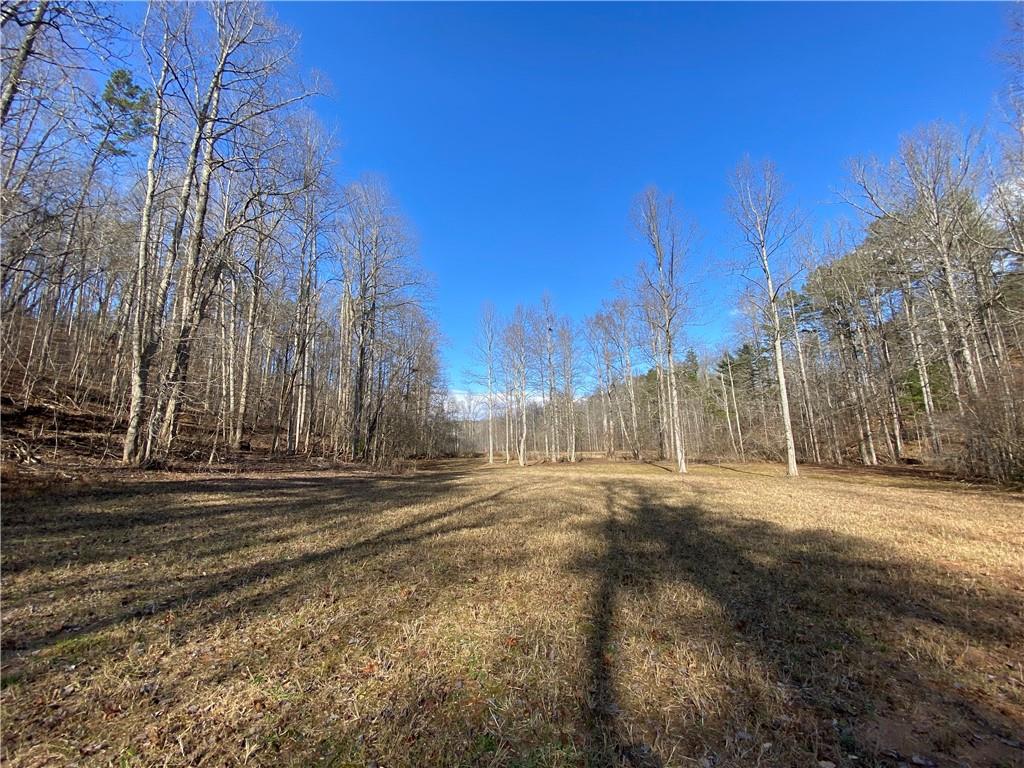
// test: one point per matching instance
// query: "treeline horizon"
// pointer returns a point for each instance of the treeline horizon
(900, 341)
(179, 253)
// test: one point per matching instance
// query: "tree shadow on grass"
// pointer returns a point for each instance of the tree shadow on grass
(606, 745)
(338, 572)
(822, 616)
(159, 553)
(825, 615)
(208, 516)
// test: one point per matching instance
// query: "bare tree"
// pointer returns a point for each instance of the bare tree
(767, 226)
(663, 294)
(487, 348)
(517, 365)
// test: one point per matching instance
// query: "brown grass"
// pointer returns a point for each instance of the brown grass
(598, 614)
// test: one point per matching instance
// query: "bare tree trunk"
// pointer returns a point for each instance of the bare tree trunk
(728, 418)
(20, 60)
(142, 348)
(954, 374)
(736, 410)
(250, 332)
(805, 390)
(677, 427)
(757, 209)
(922, 368)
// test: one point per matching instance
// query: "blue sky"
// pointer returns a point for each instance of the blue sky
(516, 136)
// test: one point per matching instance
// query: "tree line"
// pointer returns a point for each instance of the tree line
(899, 340)
(178, 252)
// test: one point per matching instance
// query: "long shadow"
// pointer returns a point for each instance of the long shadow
(659, 466)
(326, 527)
(159, 516)
(921, 479)
(743, 471)
(380, 549)
(823, 612)
(201, 589)
(819, 611)
(606, 746)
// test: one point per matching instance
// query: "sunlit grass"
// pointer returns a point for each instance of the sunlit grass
(599, 614)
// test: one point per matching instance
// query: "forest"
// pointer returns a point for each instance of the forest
(183, 270)
(901, 346)
(256, 513)
(235, 288)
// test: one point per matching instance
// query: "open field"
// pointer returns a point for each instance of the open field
(600, 614)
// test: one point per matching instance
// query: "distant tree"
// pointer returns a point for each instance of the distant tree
(487, 343)
(517, 365)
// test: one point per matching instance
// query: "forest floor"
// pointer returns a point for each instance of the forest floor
(599, 614)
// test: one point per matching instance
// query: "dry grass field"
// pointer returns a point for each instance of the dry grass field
(601, 614)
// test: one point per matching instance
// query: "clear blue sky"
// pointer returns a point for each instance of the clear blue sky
(515, 136)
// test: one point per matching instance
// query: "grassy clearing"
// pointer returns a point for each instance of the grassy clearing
(599, 614)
